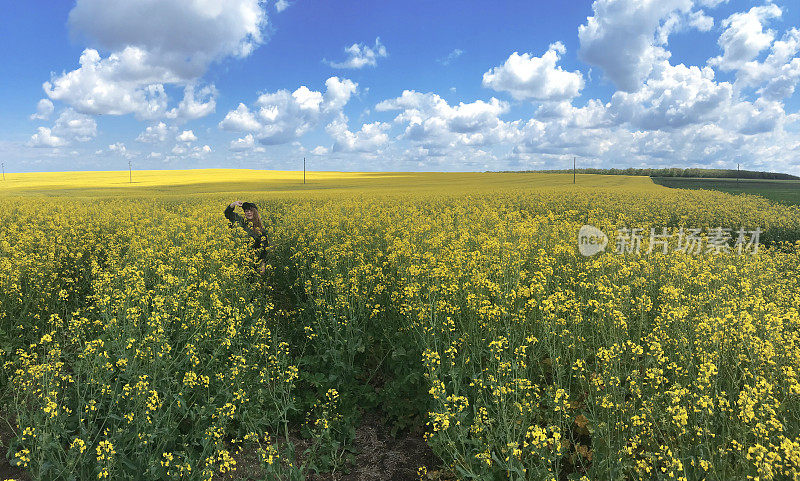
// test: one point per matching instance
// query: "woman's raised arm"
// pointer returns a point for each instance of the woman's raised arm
(229, 211)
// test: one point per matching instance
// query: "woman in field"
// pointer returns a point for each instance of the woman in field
(251, 223)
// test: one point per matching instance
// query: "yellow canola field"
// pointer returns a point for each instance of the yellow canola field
(202, 181)
(139, 342)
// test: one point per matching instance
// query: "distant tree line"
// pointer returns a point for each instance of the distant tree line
(674, 172)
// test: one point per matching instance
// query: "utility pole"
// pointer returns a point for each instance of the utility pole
(737, 173)
(130, 173)
(4, 171)
(304, 170)
(573, 170)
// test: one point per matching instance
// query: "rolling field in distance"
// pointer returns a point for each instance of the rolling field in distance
(783, 191)
(138, 341)
(188, 182)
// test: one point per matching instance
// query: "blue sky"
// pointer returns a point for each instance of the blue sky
(389, 86)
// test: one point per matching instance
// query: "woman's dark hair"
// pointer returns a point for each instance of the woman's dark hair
(256, 216)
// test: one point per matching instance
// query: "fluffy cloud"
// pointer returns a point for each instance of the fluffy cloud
(120, 84)
(186, 152)
(593, 115)
(240, 120)
(195, 104)
(186, 136)
(732, 131)
(120, 149)
(43, 110)
(155, 133)
(779, 73)
(675, 96)
(743, 41)
(435, 124)
(557, 137)
(360, 55)
(147, 54)
(70, 126)
(749, 118)
(245, 143)
(281, 117)
(282, 5)
(337, 94)
(76, 126)
(626, 38)
(44, 138)
(539, 78)
(701, 21)
(127, 82)
(179, 36)
(744, 36)
(370, 138)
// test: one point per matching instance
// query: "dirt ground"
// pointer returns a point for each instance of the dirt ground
(380, 457)
(383, 457)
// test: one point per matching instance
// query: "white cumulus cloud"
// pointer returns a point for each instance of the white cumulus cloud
(153, 43)
(69, 126)
(744, 36)
(186, 136)
(195, 104)
(626, 38)
(435, 125)
(185, 152)
(123, 83)
(282, 116)
(43, 110)
(539, 78)
(675, 96)
(245, 143)
(44, 138)
(360, 55)
(181, 36)
(155, 133)
(370, 138)
(777, 76)
(76, 126)
(701, 21)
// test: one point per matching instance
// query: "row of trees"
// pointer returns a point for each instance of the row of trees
(677, 172)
